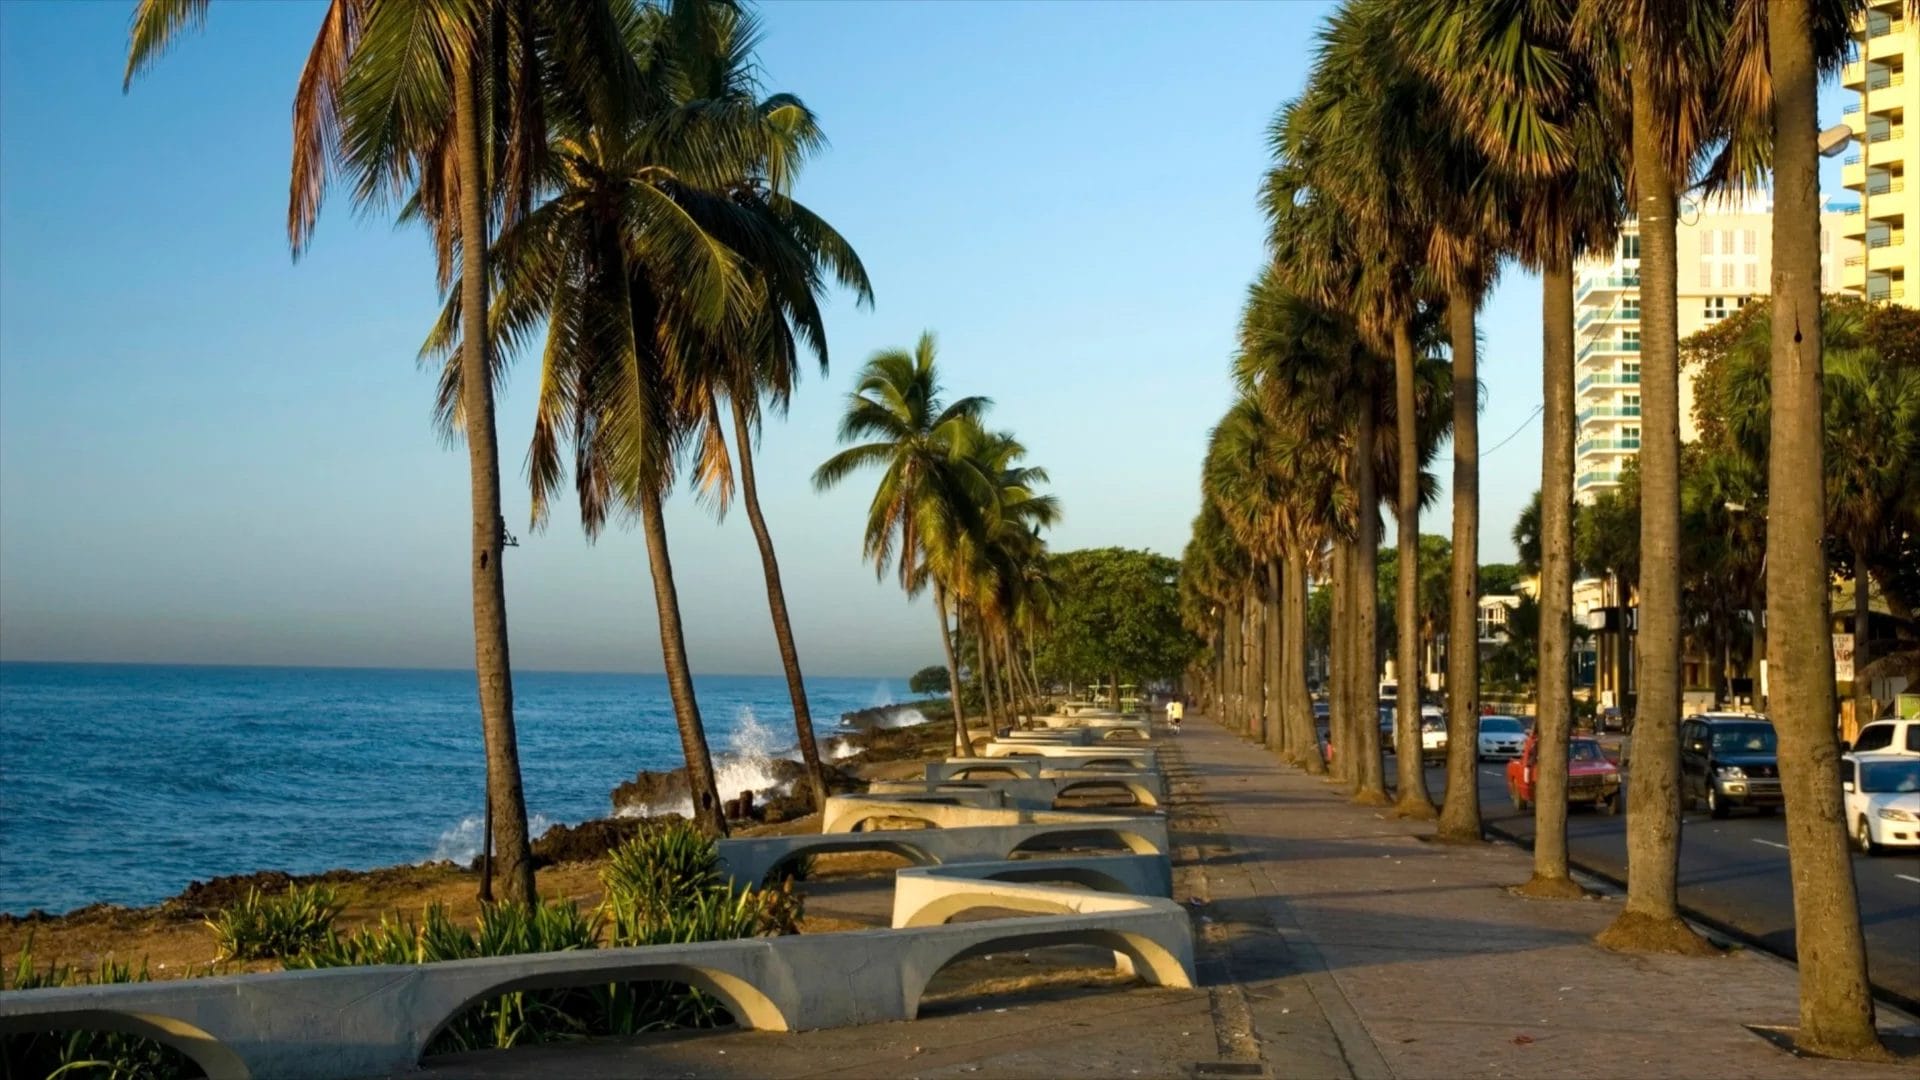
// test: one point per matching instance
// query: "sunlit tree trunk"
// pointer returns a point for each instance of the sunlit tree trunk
(701, 789)
(1553, 715)
(1372, 780)
(1272, 730)
(1413, 799)
(1651, 918)
(1836, 1003)
(1302, 737)
(777, 607)
(962, 742)
(506, 803)
(1460, 811)
(1340, 668)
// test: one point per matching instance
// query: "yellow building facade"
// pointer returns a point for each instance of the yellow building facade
(1882, 164)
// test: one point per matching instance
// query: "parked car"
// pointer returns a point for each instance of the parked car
(1729, 760)
(1433, 735)
(1882, 792)
(1501, 736)
(1591, 778)
(1888, 736)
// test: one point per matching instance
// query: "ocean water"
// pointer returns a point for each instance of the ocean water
(123, 783)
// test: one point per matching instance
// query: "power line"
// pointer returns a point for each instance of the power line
(1516, 431)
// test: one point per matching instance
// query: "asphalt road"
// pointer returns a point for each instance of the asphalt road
(1734, 872)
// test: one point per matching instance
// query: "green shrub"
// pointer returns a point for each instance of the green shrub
(650, 876)
(263, 927)
(84, 1055)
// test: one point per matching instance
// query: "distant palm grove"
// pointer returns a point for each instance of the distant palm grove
(1436, 143)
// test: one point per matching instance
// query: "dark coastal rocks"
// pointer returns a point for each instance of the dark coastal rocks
(880, 716)
(649, 788)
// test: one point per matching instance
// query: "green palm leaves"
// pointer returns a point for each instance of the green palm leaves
(956, 508)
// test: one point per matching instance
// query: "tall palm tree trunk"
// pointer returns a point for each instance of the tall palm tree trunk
(506, 803)
(701, 788)
(1460, 810)
(1862, 599)
(1553, 721)
(777, 606)
(996, 718)
(1304, 740)
(1276, 731)
(962, 742)
(1339, 667)
(1414, 801)
(1651, 917)
(1373, 780)
(1836, 1003)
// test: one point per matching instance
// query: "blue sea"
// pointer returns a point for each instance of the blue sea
(123, 783)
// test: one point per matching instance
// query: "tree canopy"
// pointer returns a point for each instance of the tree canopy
(1117, 615)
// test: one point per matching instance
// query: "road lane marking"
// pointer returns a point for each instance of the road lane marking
(1495, 773)
(1770, 843)
(1908, 877)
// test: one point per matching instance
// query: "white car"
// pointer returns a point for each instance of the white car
(1882, 794)
(1433, 733)
(1501, 736)
(1888, 736)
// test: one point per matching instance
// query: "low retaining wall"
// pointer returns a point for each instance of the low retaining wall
(931, 895)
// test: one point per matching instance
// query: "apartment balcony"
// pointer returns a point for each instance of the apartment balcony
(1594, 479)
(1606, 347)
(1885, 144)
(1594, 447)
(1886, 38)
(1615, 314)
(1607, 379)
(1886, 251)
(1879, 77)
(1608, 412)
(1606, 283)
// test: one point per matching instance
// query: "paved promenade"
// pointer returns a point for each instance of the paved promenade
(1333, 942)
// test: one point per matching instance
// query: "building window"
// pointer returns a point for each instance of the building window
(1826, 240)
(1630, 371)
(1706, 241)
(1746, 242)
(1753, 276)
(1630, 340)
(1726, 274)
(1706, 274)
(1630, 246)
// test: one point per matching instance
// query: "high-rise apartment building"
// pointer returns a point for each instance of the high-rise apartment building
(1882, 165)
(1725, 259)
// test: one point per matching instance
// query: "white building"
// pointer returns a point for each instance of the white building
(1725, 259)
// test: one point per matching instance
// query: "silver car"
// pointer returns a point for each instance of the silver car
(1501, 736)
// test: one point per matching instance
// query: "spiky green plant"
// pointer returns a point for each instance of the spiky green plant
(266, 927)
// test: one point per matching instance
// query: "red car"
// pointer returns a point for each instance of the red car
(1591, 778)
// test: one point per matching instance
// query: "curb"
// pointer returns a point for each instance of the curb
(1907, 1008)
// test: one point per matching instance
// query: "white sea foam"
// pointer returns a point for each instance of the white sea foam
(461, 844)
(745, 765)
(899, 718)
(839, 749)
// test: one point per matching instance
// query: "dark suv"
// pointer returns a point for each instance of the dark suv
(1729, 760)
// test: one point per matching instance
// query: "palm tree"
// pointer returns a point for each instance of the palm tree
(1836, 1001)
(394, 95)
(919, 444)
(760, 355)
(653, 263)
(1548, 121)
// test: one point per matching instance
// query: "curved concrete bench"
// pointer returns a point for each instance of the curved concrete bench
(748, 860)
(932, 895)
(346, 1022)
(1076, 757)
(1025, 793)
(964, 768)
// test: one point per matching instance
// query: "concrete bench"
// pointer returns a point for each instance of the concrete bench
(344, 1022)
(1027, 793)
(748, 860)
(932, 895)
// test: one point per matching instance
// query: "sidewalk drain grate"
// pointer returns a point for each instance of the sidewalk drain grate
(1229, 1068)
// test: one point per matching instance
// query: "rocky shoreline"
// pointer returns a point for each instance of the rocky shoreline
(560, 845)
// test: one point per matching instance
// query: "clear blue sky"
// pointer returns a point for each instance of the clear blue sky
(210, 454)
